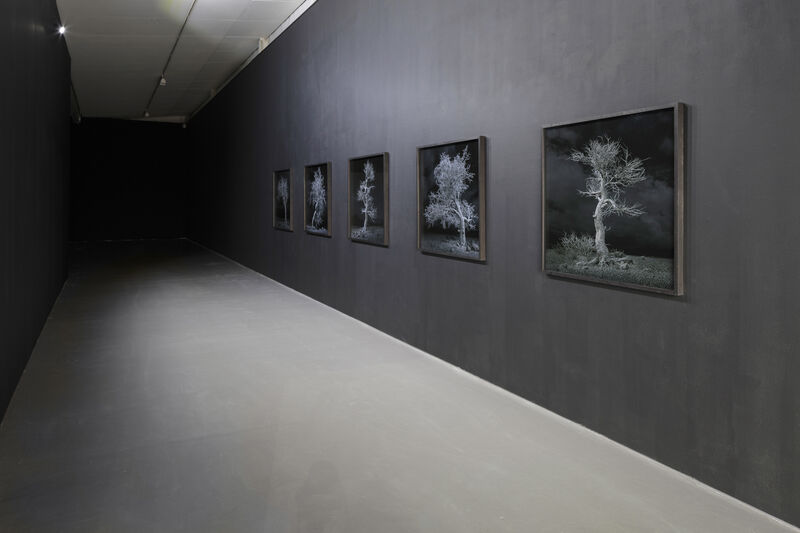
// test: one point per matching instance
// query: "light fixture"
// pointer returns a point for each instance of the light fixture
(163, 81)
(147, 114)
(62, 30)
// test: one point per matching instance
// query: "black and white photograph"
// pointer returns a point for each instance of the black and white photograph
(451, 199)
(317, 199)
(368, 201)
(613, 199)
(282, 200)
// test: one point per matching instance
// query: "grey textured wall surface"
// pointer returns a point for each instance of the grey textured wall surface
(704, 383)
(34, 178)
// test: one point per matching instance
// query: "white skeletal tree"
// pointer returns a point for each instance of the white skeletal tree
(613, 169)
(364, 194)
(317, 198)
(283, 196)
(445, 203)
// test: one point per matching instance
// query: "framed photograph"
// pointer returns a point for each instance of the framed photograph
(368, 201)
(451, 199)
(612, 199)
(317, 199)
(282, 200)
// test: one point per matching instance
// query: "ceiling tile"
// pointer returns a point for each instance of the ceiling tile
(189, 101)
(119, 48)
(123, 26)
(253, 28)
(234, 50)
(193, 52)
(212, 75)
(118, 53)
(197, 27)
(167, 100)
(260, 10)
(76, 10)
(220, 9)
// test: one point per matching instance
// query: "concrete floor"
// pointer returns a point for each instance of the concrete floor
(173, 390)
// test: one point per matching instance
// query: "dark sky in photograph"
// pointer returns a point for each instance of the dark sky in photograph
(648, 136)
(356, 177)
(429, 158)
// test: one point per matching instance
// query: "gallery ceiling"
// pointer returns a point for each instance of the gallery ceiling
(120, 48)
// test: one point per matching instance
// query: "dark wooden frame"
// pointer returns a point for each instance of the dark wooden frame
(328, 194)
(275, 199)
(679, 134)
(481, 172)
(385, 157)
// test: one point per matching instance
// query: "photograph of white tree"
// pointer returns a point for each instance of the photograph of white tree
(317, 199)
(613, 199)
(451, 196)
(282, 200)
(368, 202)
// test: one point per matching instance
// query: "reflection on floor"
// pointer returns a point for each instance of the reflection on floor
(173, 390)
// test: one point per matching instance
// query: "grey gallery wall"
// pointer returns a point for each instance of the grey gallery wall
(705, 383)
(34, 178)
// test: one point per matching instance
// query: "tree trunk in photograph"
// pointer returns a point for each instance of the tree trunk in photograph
(365, 223)
(600, 234)
(462, 231)
(285, 213)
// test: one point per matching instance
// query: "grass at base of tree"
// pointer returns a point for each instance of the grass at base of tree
(445, 244)
(280, 224)
(653, 272)
(372, 234)
(317, 231)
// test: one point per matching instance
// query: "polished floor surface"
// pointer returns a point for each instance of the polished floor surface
(174, 390)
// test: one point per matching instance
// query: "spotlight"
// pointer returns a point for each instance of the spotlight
(147, 114)
(163, 81)
(62, 30)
